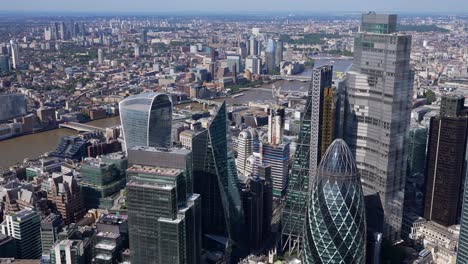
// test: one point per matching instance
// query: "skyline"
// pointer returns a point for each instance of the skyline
(207, 6)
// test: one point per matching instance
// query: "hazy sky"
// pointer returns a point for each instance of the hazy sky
(460, 6)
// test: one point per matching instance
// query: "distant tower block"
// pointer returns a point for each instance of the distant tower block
(275, 124)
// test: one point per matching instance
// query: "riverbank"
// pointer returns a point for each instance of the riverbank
(15, 150)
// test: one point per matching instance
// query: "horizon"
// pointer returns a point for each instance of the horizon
(241, 6)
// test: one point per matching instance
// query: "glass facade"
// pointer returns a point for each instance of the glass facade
(147, 120)
(336, 223)
(307, 156)
(215, 179)
(379, 88)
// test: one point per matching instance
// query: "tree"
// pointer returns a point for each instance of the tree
(430, 96)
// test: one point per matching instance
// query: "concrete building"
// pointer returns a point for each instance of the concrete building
(66, 196)
(441, 241)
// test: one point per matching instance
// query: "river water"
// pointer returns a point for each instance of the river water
(17, 149)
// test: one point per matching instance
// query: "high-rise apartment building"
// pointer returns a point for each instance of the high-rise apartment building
(25, 227)
(446, 162)
(215, 179)
(379, 90)
(147, 120)
(336, 222)
(307, 156)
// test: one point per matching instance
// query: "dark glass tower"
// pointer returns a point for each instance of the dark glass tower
(307, 157)
(446, 162)
(335, 225)
(215, 179)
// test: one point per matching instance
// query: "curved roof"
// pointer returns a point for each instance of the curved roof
(338, 162)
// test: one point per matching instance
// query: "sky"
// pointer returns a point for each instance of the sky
(397, 6)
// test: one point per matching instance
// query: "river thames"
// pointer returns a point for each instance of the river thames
(30, 146)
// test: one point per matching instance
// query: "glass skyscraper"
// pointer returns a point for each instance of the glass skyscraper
(215, 179)
(314, 122)
(379, 88)
(336, 222)
(147, 120)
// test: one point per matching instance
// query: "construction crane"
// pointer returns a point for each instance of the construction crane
(276, 93)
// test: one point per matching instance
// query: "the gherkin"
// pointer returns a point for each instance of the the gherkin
(335, 224)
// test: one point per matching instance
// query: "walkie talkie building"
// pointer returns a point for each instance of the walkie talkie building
(336, 222)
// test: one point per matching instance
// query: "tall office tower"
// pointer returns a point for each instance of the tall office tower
(254, 65)
(256, 209)
(277, 157)
(4, 63)
(379, 87)
(66, 196)
(14, 54)
(446, 162)
(62, 31)
(25, 227)
(278, 52)
(100, 56)
(47, 33)
(164, 215)
(462, 250)
(54, 34)
(307, 156)
(144, 36)
(137, 51)
(336, 222)
(253, 44)
(215, 179)
(234, 59)
(147, 120)
(50, 228)
(275, 124)
(245, 143)
(270, 56)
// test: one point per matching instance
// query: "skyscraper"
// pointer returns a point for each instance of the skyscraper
(25, 227)
(278, 52)
(336, 222)
(307, 156)
(4, 63)
(462, 250)
(244, 149)
(270, 56)
(253, 43)
(215, 179)
(164, 214)
(446, 162)
(147, 120)
(379, 91)
(100, 56)
(14, 54)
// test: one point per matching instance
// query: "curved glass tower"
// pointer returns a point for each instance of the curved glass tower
(336, 227)
(147, 120)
